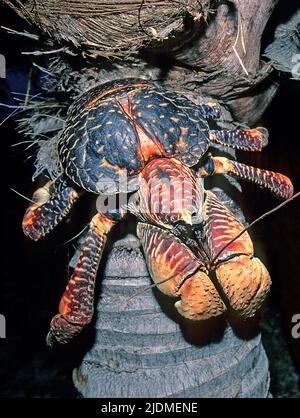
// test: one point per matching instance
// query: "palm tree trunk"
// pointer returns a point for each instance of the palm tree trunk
(140, 350)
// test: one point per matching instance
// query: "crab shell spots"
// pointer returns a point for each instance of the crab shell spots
(102, 151)
(178, 125)
(121, 126)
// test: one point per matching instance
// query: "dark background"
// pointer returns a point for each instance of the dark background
(33, 275)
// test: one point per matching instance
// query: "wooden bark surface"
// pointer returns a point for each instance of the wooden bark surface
(285, 49)
(144, 350)
(212, 47)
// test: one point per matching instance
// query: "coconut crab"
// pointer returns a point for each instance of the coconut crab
(137, 128)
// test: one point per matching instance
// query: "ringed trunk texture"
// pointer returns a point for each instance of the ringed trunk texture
(202, 48)
(142, 349)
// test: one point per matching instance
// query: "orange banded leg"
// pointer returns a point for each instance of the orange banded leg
(77, 303)
(243, 139)
(277, 183)
(168, 257)
(52, 203)
(243, 278)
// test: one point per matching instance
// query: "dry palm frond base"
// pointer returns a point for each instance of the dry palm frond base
(113, 28)
(208, 46)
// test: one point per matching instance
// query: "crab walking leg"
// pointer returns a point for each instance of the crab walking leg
(277, 183)
(167, 257)
(52, 203)
(243, 139)
(77, 303)
(210, 110)
(243, 278)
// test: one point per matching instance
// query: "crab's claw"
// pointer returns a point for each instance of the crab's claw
(245, 282)
(199, 299)
(242, 279)
(178, 273)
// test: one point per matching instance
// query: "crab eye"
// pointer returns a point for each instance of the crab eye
(107, 186)
(196, 215)
(197, 218)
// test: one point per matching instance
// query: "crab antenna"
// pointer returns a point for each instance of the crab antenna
(76, 236)
(20, 194)
(139, 292)
(260, 218)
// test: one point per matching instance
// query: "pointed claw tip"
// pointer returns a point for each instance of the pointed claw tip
(290, 192)
(50, 339)
(31, 233)
(187, 218)
(264, 134)
(288, 189)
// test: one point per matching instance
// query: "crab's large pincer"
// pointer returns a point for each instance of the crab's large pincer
(178, 273)
(199, 299)
(245, 282)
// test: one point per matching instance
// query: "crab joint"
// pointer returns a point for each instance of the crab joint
(52, 203)
(219, 165)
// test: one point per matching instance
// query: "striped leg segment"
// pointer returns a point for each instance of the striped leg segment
(77, 303)
(51, 203)
(243, 139)
(168, 258)
(277, 183)
(243, 278)
(221, 226)
(210, 110)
